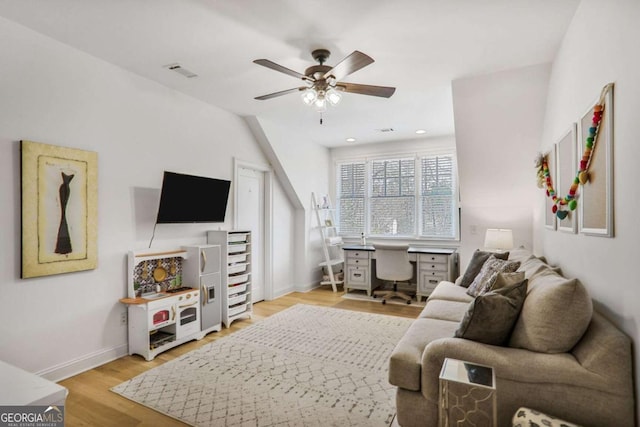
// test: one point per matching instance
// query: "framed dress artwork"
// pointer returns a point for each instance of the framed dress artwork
(59, 209)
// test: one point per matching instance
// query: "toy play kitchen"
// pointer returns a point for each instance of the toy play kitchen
(172, 297)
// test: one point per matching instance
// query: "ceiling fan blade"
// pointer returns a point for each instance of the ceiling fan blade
(282, 92)
(348, 65)
(277, 67)
(382, 91)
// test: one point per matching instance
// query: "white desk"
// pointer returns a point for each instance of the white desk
(22, 388)
(432, 266)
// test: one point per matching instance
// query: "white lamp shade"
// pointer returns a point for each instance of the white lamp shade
(498, 238)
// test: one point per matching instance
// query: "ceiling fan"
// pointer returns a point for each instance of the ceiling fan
(323, 83)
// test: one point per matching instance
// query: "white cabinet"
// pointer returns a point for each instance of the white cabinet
(158, 325)
(358, 268)
(235, 247)
(203, 270)
(433, 266)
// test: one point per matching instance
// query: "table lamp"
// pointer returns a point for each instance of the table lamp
(498, 239)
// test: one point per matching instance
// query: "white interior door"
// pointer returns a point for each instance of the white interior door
(250, 216)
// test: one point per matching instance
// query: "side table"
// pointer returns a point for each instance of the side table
(467, 395)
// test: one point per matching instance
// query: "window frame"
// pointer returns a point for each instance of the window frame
(417, 233)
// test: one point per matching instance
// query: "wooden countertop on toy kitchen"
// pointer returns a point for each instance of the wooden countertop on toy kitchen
(155, 297)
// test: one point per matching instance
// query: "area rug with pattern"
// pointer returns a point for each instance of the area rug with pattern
(304, 366)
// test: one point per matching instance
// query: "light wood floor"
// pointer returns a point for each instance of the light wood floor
(90, 403)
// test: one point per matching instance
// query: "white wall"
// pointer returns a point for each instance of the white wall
(283, 243)
(498, 120)
(306, 167)
(601, 46)
(389, 148)
(54, 94)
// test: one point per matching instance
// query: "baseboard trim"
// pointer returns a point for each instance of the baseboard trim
(84, 363)
(307, 287)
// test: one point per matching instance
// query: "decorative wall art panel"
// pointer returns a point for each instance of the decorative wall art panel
(550, 219)
(587, 181)
(59, 209)
(596, 204)
(566, 161)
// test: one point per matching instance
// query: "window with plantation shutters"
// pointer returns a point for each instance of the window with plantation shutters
(392, 197)
(438, 211)
(350, 201)
(412, 197)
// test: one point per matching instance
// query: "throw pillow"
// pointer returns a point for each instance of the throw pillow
(555, 315)
(488, 274)
(475, 265)
(507, 279)
(491, 316)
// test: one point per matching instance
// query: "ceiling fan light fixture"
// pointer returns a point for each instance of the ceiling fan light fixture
(309, 96)
(320, 104)
(333, 96)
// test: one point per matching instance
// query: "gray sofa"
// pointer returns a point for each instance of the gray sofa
(561, 358)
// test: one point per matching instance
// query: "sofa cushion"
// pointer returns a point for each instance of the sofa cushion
(507, 279)
(405, 364)
(532, 266)
(488, 273)
(491, 316)
(555, 314)
(444, 310)
(519, 254)
(477, 261)
(451, 292)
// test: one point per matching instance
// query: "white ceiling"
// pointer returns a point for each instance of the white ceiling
(419, 47)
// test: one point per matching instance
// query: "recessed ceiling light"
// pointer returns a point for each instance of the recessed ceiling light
(421, 131)
(181, 70)
(351, 140)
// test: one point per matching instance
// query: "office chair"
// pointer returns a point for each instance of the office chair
(392, 265)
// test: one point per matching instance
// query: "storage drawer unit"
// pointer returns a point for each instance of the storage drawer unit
(358, 269)
(434, 266)
(236, 273)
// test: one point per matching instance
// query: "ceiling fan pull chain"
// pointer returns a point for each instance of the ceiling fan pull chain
(320, 118)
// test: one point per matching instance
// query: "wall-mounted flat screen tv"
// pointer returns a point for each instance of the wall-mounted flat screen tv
(189, 198)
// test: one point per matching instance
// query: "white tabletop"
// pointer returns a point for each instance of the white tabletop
(19, 387)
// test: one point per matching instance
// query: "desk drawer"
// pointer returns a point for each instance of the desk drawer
(433, 258)
(357, 275)
(357, 261)
(428, 281)
(356, 254)
(427, 266)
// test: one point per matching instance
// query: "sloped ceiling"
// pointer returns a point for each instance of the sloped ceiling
(419, 47)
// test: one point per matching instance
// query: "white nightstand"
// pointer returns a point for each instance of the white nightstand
(467, 394)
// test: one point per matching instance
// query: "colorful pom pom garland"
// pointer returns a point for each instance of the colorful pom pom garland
(582, 177)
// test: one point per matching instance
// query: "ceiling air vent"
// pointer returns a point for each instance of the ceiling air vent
(180, 70)
(385, 130)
